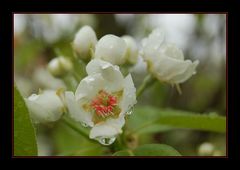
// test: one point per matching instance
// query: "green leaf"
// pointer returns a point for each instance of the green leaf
(76, 144)
(150, 150)
(156, 150)
(26, 53)
(24, 135)
(148, 119)
(123, 153)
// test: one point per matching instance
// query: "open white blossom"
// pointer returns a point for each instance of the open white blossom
(132, 49)
(45, 107)
(165, 61)
(112, 49)
(102, 100)
(84, 42)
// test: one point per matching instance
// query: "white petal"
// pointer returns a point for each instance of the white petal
(76, 111)
(37, 112)
(90, 86)
(154, 40)
(45, 107)
(129, 95)
(107, 129)
(96, 66)
(112, 49)
(111, 74)
(186, 75)
(132, 49)
(149, 55)
(165, 67)
(171, 50)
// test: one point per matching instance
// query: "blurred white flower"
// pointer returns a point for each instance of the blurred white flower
(19, 23)
(132, 49)
(165, 61)
(45, 107)
(43, 79)
(111, 48)
(102, 100)
(84, 42)
(25, 86)
(206, 149)
(60, 66)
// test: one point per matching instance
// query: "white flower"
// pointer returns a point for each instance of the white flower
(84, 42)
(45, 107)
(206, 149)
(166, 61)
(132, 49)
(112, 49)
(59, 66)
(102, 100)
(45, 80)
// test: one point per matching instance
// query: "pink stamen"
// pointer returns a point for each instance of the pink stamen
(104, 104)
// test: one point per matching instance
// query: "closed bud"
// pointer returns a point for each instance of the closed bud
(45, 107)
(84, 43)
(59, 66)
(112, 49)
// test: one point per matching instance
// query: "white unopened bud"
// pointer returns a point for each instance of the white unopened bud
(132, 49)
(84, 42)
(59, 66)
(112, 49)
(206, 149)
(45, 107)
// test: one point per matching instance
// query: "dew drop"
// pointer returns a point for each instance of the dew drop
(106, 141)
(130, 111)
(84, 124)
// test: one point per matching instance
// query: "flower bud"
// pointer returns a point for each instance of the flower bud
(132, 49)
(59, 66)
(45, 107)
(84, 42)
(112, 49)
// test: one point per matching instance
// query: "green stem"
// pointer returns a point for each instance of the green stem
(74, 127)
(147, 82)
(76, 76)
(69, 83)
(118, 144)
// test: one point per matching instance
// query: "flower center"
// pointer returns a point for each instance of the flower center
(104, 104)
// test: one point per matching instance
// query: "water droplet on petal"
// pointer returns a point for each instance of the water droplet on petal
(84, 124)
(130, 111)
(106, 141)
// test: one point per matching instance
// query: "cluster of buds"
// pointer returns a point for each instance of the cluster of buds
(110, 48)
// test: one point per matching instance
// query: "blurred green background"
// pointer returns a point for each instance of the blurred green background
(37, 37)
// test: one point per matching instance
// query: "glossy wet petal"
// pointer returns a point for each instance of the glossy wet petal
(77, 112)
